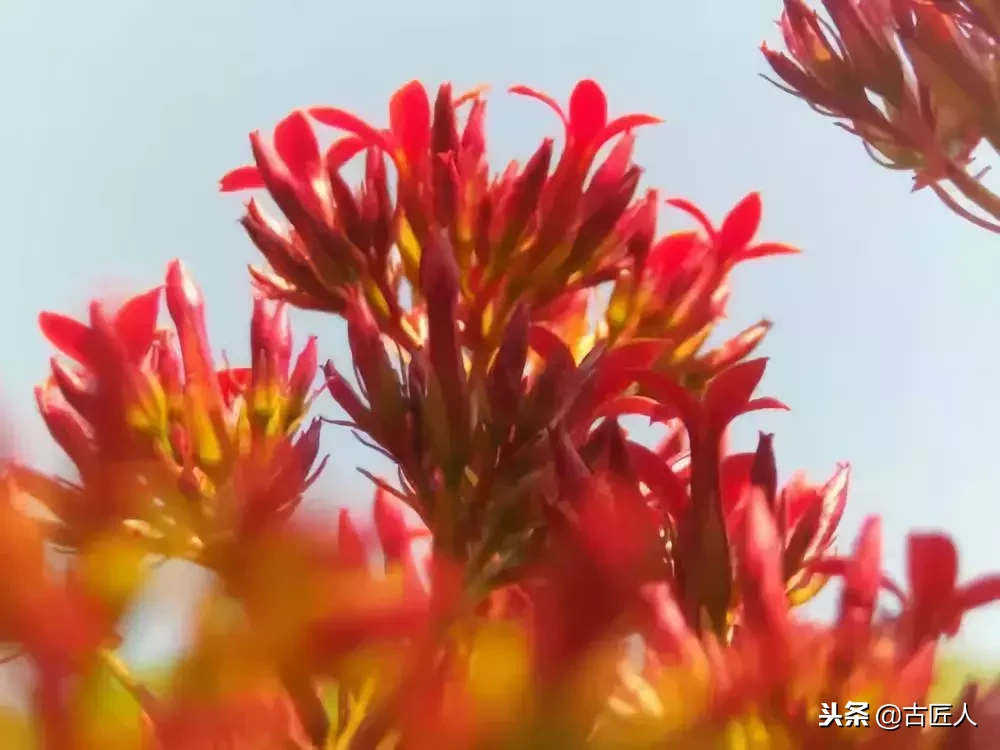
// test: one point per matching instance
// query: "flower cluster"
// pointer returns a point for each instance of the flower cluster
(916, 80)
(577, 587)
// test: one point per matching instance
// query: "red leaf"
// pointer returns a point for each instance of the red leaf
(740, 225)
(71, 337)
(730, 391)
(410, 121)
(242, 178)
(588, 113)
(135, 323)
(296, 145)
(544, 98)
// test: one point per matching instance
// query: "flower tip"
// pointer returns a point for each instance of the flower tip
(179, 284)
(242, 178)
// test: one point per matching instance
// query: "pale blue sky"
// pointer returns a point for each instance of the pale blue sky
(120, 117)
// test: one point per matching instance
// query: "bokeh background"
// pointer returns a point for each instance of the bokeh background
(119, 117)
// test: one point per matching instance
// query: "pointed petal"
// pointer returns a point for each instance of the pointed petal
(550, 346)
(932, 567)
(242, 178)
(389, 526)
(694, 212)
(766, 249)
(764, 471)
(979, 592)
(544, 98)
(349, 542)
(342, 151)
(669, 393)
(69, 336)
(626, 123)
(338, 118)
(296, 145)
(135, 323)
(729, 392)
(655, 473)
(410, 121)
(629, 406)
(588, 113)
(765, 603)
(740, 225)
(738, 347)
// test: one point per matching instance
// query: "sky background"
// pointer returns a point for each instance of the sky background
(121, 116)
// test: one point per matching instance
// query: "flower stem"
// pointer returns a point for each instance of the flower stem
(148, 703)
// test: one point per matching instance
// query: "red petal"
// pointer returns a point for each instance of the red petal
(71, 337)
(696, 213)
(135, 323)
(865, 576)
(739, 346)
(731, 390)
(979, 592)
(338, 118)
(833, 504)
(764, 599)
(389, 525)
(766, 249)
(241, 178)
(626, 123)
(544, 98)
(740, 225)
(234, 382)
(635, 354)
(349, 542)
(588, 112)
(549, 346)
(763, 404)
(296, 144)
(932, 567)
(734, 476)
(468, 96)
(342, 151)
(669, 392)
(629, 405)
(410, 121)
(656, 474)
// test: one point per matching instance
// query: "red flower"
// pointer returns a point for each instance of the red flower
(936, 602)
